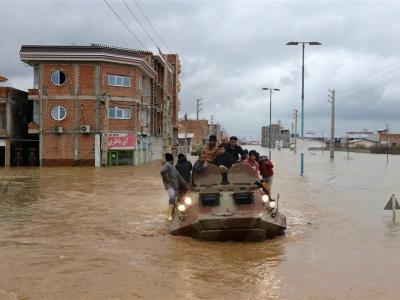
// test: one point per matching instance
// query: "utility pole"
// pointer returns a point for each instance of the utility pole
(332, 142)
(295, 129)
(211, 131)
(199, 103)
(105, 130)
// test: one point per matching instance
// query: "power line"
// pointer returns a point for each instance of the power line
(140, 24)
(187, 83)
(152, 27)
(370, 80)
(125, 25)
(348, 94)
(345, 86)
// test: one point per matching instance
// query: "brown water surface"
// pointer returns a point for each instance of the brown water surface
(85, 233)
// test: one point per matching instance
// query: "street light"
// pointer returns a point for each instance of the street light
(270, 111)
(302, 99)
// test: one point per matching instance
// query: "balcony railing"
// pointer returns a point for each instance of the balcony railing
(33, 94)
(33, 128)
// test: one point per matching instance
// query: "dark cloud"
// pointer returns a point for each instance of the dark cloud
(230, 50)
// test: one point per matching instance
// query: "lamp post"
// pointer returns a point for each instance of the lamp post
(302, 100)
(270, 114)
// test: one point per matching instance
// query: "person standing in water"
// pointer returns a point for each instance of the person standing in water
(173, 183)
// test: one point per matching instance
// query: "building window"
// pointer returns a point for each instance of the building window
(117, 80)
(119, 113)
(58, 77)
(145, 89)
(3, 116)
(36, 112)
(58, 112)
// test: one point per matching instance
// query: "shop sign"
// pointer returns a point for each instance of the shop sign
(121, 141)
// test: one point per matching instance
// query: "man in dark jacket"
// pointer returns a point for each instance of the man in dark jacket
(224, 160)
(235, 149)
(173, 182)
(184, 167)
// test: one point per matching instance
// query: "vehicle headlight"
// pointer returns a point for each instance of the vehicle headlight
(272, 204)
(181, 207)
(188, 201)
(265, 198)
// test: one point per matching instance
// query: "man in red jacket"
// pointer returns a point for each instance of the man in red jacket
(266, 170)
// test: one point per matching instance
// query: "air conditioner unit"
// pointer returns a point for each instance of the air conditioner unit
(85, 129)
(59, 129)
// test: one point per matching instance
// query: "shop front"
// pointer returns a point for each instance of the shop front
(121, 149)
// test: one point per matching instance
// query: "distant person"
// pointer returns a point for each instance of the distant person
(173, 183)
(246, 154)
(209, 151)
(266, 171)
(251, 161)
(235, 149)
(224, 141)
(184, 167)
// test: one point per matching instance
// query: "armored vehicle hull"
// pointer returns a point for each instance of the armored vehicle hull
(235, 210)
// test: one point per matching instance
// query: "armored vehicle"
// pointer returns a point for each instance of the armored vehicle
(227, 206)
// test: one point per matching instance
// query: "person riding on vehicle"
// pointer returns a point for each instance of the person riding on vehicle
(235, 149)
(210, 150)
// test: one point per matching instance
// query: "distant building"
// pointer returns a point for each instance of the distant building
(17, 148)
(185, 142)
(365, 134)
(285, 138)
(393, 139)
(279, 136)
(199, 129)
(215, 129)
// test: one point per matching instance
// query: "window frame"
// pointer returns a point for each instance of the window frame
(59, 71)
(58, 112)
(124, 81)
(113, 113)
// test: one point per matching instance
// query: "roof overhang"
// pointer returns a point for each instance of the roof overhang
(33, 57)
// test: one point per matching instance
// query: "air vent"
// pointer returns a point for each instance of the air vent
(243, 198)
(85, 129)
(209, 199)
(59, 129)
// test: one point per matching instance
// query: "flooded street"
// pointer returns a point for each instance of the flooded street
(85, 233)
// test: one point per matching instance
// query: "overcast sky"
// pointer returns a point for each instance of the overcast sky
(231, 49)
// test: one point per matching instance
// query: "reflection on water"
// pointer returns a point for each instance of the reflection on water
(85, 233)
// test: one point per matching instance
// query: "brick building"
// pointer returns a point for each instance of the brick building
(97, 103)
(199, 129)
(393, 139)
(16, 147)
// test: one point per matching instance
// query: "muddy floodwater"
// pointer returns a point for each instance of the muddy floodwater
(86, 233)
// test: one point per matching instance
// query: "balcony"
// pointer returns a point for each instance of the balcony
(33, 128)
(33, 94)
